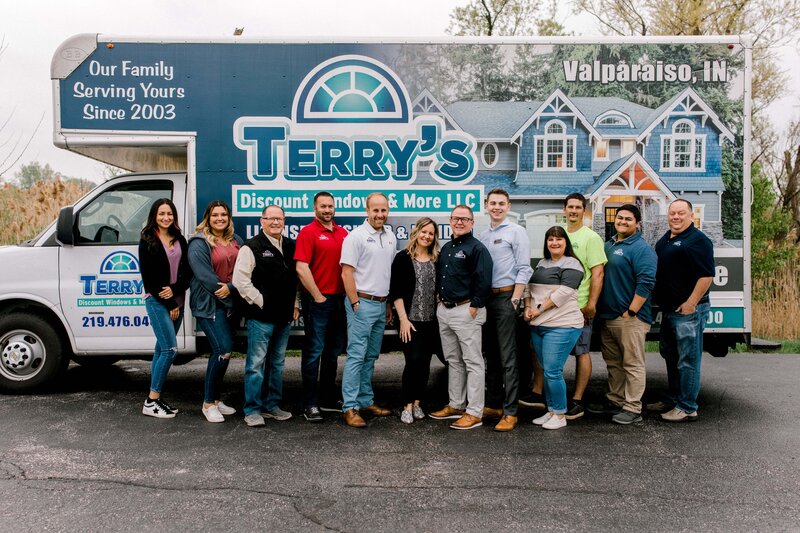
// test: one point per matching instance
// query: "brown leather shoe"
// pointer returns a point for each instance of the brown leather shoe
(467, 422)
(507, 423)
(489, 412)
(353, 419)
(447, 412)
(375, 410)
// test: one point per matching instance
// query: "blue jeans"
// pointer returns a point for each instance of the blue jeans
(553, 346)
(364, 337)
(218, 333)
(166, 349)
(681, 346)
(266, 349)
(324, 326)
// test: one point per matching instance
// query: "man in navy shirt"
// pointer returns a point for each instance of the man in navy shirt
(463, 284)
(624, 306)
(684, 275)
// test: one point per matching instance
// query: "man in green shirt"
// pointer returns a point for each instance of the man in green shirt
(589, 248)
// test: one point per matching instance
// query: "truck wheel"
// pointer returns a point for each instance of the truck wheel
(31, 353)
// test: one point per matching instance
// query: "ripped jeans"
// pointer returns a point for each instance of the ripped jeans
(166, 349)
(218, 333)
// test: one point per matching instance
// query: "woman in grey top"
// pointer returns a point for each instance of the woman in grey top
(413, 293)
(551, 306)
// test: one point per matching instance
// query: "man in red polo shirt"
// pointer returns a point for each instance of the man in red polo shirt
(319, 247)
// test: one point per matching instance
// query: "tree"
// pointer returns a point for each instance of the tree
(33, 172)
(494, 17)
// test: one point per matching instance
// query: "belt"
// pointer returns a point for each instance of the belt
(450, 305)
(500, 290)
(371, 297)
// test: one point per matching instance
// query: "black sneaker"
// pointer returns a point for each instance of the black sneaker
(156, 408)
(534, 399)
(312, 414)
(605, 408)
(575, 410)
(332, 407)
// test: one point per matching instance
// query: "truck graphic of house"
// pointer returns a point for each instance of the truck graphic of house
(611, 150)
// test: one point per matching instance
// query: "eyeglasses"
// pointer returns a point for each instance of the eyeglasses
(463, 220)
(273, 219)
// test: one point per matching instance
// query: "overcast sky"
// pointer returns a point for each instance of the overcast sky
(31, 31)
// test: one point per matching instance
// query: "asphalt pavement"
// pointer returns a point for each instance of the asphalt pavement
(84, 458)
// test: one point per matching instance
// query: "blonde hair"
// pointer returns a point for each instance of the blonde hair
(204, 228)
(411, 247)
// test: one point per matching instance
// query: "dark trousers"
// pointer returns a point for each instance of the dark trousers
(500, 350)
(325, 331)
(425, 341)
(525, 355)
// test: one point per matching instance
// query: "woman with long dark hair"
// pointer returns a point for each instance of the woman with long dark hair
(551, 306)
(212, 256)
(413, 292)
(165, 274)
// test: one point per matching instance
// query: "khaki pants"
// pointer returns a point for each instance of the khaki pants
(461, 345)
(622, 344)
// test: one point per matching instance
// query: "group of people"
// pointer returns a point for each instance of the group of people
(476, 300)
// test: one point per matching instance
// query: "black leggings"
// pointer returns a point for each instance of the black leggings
(425, 341)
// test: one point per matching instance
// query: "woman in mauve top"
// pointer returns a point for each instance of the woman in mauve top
(165, 275)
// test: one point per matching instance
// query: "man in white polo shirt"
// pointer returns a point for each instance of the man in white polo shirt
(367, 254)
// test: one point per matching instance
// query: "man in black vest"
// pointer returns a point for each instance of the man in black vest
(266, 278)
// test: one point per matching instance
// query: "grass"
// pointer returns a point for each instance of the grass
(26, 212)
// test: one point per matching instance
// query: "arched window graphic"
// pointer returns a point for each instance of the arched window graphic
(351, 89)
(489, 155)
(613, 117)
(555, 150)
(684, 149)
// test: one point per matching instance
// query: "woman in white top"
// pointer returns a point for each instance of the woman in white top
(551, 306)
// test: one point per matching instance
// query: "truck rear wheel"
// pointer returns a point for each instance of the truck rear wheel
(31, 353)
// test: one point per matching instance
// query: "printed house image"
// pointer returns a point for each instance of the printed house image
(611, 150)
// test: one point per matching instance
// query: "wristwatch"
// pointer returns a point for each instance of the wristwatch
(631, 312)
(354, 304)
(515, 302)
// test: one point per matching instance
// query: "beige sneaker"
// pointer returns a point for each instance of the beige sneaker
(676, 415)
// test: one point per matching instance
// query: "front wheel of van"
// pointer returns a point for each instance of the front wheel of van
(31, 353)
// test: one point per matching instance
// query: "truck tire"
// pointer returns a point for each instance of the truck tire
(32, 355)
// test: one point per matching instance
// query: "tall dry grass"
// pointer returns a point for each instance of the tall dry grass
(776, 312)
(26, 212)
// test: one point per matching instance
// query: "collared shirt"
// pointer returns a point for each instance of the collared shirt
(631, 270)
(464, 271)
(682, 260)
(321, 249)
(511, 254)
(370, 252)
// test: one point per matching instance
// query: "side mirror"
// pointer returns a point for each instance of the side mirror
(65, 226)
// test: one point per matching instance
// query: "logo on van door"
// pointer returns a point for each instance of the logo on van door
(352, 121)
(117, 278)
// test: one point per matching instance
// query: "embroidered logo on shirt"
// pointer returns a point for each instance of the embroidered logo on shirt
(460, 254)
(676, 243)
(498, 241)
(267, 253)
(618, 252)
(323, 237)
(370, 239)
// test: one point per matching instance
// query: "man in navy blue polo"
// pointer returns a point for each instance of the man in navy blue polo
(684, 275)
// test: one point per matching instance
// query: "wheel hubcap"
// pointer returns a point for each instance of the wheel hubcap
(22, 355)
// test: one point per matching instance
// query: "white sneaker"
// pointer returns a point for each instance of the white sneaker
(254, 420)
(543, 419)
(156, 408)
(212, 414)
(226, 409)
(555, 422)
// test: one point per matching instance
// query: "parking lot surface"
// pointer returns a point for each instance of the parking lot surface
(84, 458)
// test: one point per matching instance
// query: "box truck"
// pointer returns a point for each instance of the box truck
(432, 123)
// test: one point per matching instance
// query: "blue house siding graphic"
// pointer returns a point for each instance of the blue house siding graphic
(611, 150)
